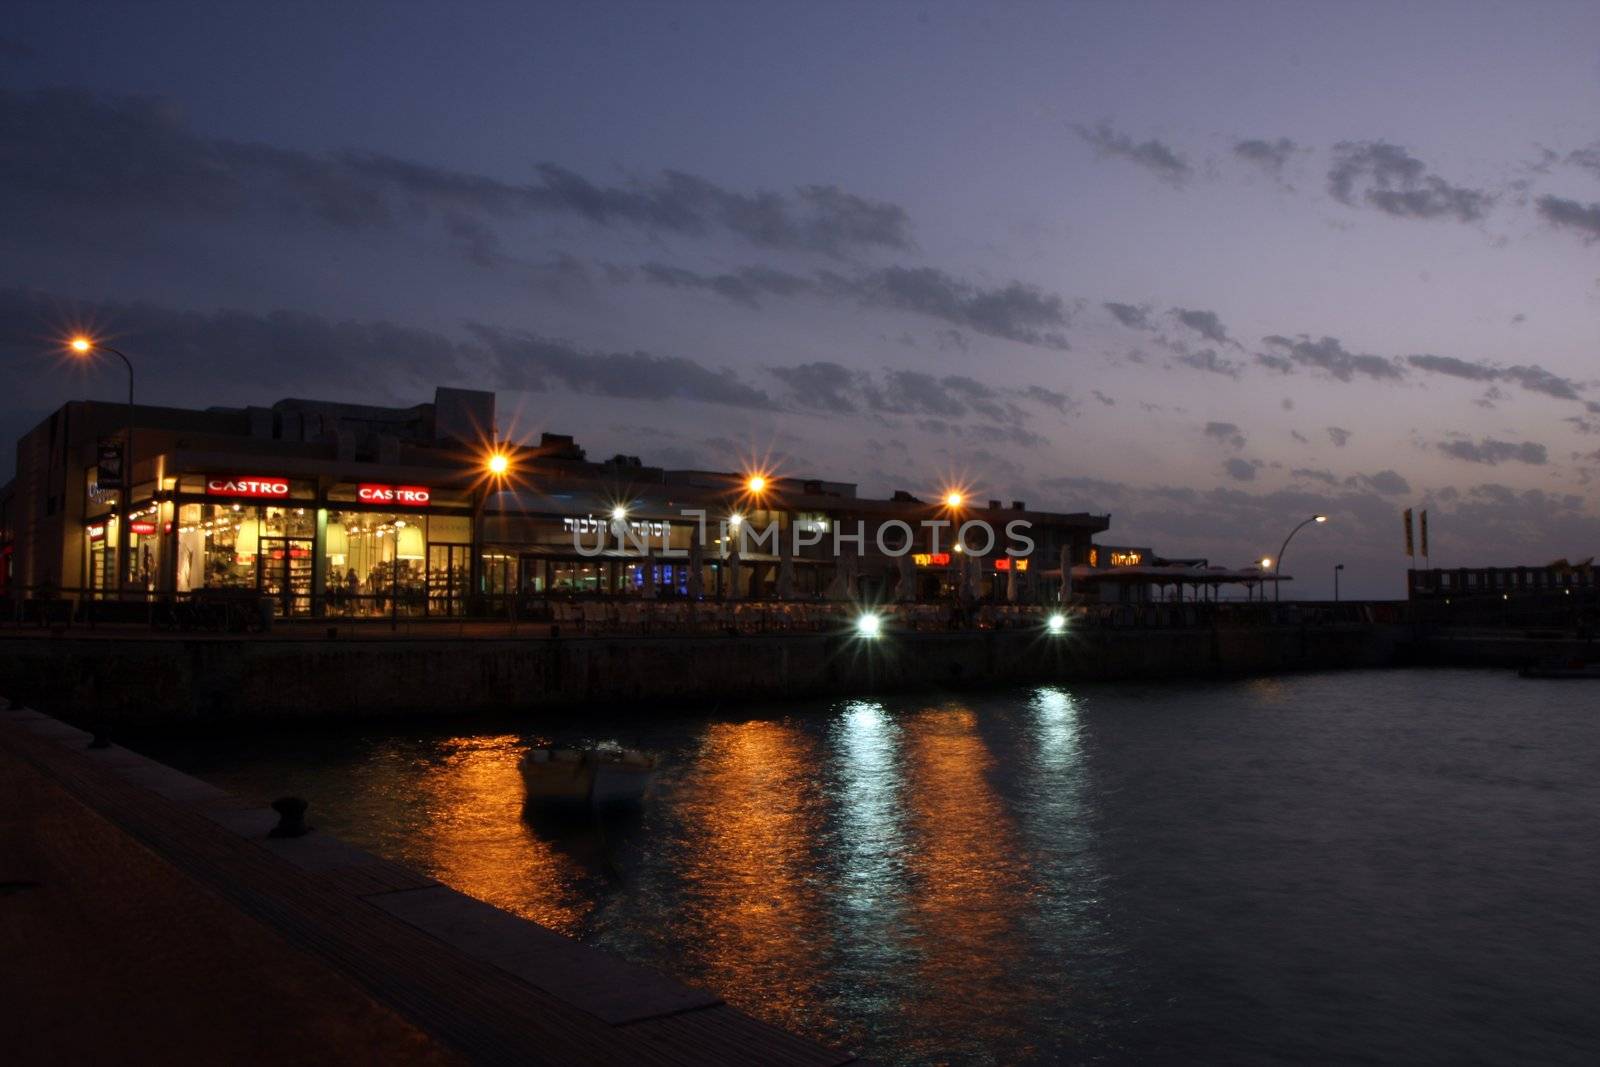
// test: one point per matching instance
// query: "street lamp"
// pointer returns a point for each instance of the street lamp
(1337, 567)
(1276, 583)
(84, 346)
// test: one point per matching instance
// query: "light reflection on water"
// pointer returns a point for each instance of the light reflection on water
(1242, 872)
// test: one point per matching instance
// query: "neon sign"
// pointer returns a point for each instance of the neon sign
(142, 528)
(931, 559)
(411, 496)
(1126, 559)
(270, 488)
(1003, 563)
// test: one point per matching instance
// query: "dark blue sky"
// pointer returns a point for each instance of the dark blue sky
(1206, 267)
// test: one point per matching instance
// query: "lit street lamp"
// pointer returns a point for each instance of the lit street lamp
(83, 346)
(1276, 583)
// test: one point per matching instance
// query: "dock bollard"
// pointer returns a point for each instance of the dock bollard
(291, 818)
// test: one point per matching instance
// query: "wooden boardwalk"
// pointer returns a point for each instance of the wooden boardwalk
(484, 984)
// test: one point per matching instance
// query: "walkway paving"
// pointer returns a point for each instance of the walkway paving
(145, 915)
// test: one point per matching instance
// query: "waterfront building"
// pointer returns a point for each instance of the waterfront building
(1558, 578)
(327, 509)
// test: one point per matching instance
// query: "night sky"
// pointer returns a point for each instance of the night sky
(1209, 268)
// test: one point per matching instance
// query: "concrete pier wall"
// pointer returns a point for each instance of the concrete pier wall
(169, 680)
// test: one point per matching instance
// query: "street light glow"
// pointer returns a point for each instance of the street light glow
(868, 625)
(498, 464)
(952, 499)
(1056, 623)
(81, 345)
(1321, 518)
(755, 483)
(619, 513)
(1266, 562)
(735, 519)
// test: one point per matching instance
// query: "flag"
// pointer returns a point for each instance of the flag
(1424, 533)
(1410, 547)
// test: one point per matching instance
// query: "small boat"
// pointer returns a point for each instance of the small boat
(1571, 668)
(601, 776)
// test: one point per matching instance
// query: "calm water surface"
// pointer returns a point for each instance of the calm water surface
(1345, 867)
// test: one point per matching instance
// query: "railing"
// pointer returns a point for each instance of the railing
(246, 610)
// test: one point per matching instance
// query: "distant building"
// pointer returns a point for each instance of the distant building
(332, 509)
(1559, 578)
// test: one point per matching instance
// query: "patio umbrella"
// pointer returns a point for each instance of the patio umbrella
(1066, 574)
(1012, 582)
(649, 566)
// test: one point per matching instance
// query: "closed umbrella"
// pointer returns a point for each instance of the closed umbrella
(649, 576)
(785, 567)
(697, 562)
(731, 567)
(1012, 583)
(906, 591)
(1066, 574)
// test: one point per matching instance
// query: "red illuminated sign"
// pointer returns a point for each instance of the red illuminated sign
(270, 488)
(410, 496)
(1004, 564)
(931, 559)
(142, 527)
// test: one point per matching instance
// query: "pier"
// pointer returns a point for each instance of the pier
(141, 678)
(150, 916)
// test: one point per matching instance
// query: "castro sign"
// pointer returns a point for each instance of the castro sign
(237, 485)
(409, 496)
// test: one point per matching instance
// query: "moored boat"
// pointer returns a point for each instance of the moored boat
(600, 776)
(1569, 668)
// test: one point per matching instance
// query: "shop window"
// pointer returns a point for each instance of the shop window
(218, 545)
(376, 563)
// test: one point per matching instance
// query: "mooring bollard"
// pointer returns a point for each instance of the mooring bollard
(291, 818)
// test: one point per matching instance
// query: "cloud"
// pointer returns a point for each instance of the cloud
(1387, 482)
(1339, 436)
(1103, 398)
(110, 154)
(538, 364)
(1051, 398)
(1588, 158)
(1242, 470)
(1317, 475)
(1204, 323)
(832, 387)
(1015, 312)
(1226, 432)
(1130, 315)
(742, 287)
(825, 385)
(1152, 155)
(1270, 156)
(1329, 355)
(1572, 215)
(1397, 183)
(1206, 359)
(1490, 451)
(1533, 378)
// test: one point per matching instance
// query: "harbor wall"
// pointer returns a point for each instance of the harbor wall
(159, 680)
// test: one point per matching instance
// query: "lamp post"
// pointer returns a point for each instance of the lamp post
(1337, 567)
(1277, 580)
(84, 346)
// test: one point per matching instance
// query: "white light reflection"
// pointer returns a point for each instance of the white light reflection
(871, 816)
(1055, 728)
